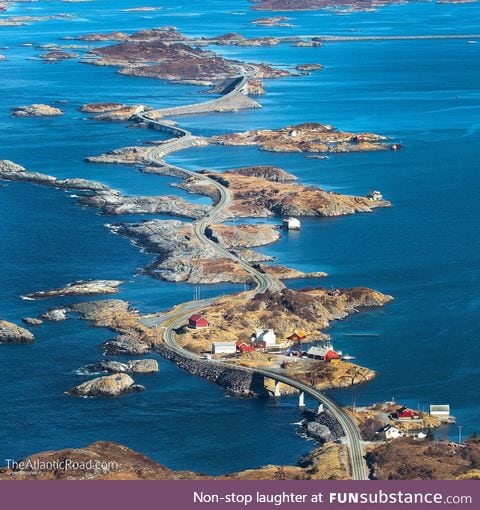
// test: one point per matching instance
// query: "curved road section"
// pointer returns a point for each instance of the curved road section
(262, 282)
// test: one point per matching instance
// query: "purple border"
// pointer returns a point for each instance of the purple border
(179, 494)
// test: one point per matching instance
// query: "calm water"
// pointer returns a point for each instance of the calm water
(424, 251)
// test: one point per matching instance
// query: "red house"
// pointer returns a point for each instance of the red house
(197, 322)
(403, 413)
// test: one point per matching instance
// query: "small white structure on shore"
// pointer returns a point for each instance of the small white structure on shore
(375, 196)
(442, 412)
(266, 335)
(224, 348)
(291, 223)
(389, 432)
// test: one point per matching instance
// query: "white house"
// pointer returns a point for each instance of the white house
(389, 432)
(291, 223)
(266, 335)
(224, 348)
(375, 195)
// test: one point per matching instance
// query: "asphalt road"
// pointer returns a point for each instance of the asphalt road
(261, 283)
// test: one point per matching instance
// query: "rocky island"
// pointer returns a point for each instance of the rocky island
(36, 110)
(255, 196)
(12, 334)
(308, 137)
(107, 386)
(80, 288)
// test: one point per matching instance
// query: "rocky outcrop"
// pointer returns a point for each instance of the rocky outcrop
(80, 288)
(270, 173)
(36, 110)
(114, 111)
(140, 366)
(319, 432)
(12, 334)
(10, 171)
(108, 386)
(308, 68)
(323, 427)
(113, 203)
(243, 236)
(274, 21)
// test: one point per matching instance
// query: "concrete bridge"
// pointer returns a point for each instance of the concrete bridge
(234, 98)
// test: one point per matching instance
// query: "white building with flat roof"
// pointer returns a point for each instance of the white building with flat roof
(291, 223)
(224, 348)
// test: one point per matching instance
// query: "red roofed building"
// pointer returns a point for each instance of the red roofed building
(197, 322)
(331, 356)
(243, 347)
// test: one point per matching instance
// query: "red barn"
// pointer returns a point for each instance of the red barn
(197, 322)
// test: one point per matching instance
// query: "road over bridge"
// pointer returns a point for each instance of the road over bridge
(261, 283)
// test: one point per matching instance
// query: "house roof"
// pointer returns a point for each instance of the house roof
(197, 318)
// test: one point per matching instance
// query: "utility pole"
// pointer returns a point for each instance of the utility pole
(460, 433)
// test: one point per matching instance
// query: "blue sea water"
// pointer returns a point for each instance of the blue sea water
(424, 250)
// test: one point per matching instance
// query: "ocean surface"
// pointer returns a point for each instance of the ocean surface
(424, 251)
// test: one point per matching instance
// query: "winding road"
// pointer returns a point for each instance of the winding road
(261, 283)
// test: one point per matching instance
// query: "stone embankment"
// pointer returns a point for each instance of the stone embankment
(235, 381)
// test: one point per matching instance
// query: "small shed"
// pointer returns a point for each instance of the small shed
(197, 322)
(224, 348)
(298, 336)
(440, 411)
(332, 356)
(266, 335)
(291, 223)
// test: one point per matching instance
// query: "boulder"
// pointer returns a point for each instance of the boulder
(108, 386)
(318, 432)
(12, 334)
(143, 366)
(125, 344)
(111, 367)
(138, 366)
(55, 315)
(32, 321)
